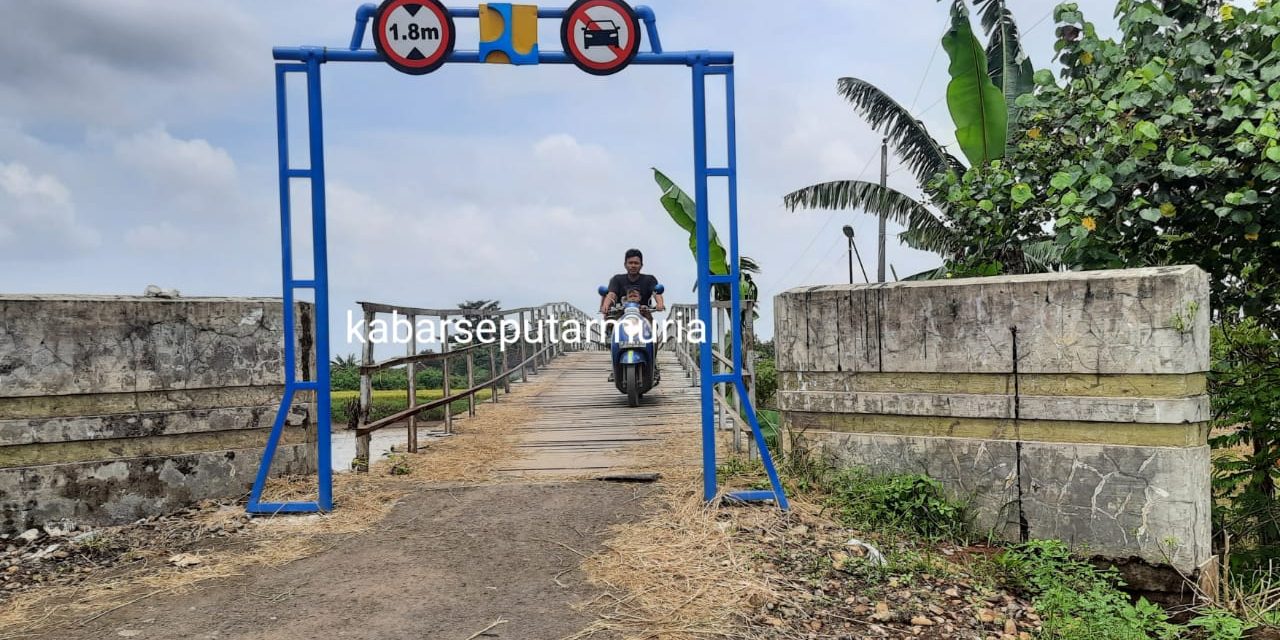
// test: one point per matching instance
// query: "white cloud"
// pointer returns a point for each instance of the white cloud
(156, 237)
(119, 61)
(37, 215)
(179, 164)
(564, 149)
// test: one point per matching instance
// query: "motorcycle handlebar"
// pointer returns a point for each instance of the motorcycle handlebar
(617, 307)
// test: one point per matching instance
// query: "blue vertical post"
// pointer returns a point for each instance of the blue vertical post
(319, 284)
(706, 369)
(286, 273)
(735, 266)
(732, 280)
(320, 273)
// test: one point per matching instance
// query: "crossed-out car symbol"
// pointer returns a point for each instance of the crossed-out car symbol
(605, 34)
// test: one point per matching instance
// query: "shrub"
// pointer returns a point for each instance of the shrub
(1078, 601)
(913, 503)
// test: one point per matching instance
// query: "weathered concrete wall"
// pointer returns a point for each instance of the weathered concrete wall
(1066, 406)
(114, 408)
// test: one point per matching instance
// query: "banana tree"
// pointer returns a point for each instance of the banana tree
(684, 211)
(984, 86)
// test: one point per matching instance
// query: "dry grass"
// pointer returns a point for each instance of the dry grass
(269, 542)
(360, 501)
(678, 574)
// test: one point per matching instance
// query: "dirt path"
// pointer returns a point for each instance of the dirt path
(444, 565)
(498, 554)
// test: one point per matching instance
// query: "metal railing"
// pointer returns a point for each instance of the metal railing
(519, 354)
(728, 415)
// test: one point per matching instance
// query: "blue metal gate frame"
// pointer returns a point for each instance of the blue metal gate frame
(307, 61)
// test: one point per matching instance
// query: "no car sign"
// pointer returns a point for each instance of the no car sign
(600, 36)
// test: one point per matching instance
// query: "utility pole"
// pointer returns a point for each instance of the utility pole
(884, 183)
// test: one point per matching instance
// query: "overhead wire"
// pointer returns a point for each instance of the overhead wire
(821, 229)
(935, 103)
(919, 89)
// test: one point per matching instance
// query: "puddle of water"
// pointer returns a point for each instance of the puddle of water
(344, 444)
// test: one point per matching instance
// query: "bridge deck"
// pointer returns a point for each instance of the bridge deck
(582, 424)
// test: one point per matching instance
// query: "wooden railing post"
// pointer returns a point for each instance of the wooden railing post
(557, 319)
(412, 370)
(361, 461)
(538, 353)
(524, 348)
(493, 374)
(471, 383)
(444, 349)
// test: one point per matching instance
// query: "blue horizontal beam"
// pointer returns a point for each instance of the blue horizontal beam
(724, 279)
(297, 173)
(308, 385)
(367, 11)
(283, 507)
(303, 284)
(723, 378)
(751, 496)
(718, 171)
(323, 54)
(468, 12)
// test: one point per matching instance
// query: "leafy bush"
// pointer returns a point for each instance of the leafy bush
(766, 383)
(344, 379)
(1078, 601)
(914, 503)
(1140, 157)
(1246, 401)
(1220, 625)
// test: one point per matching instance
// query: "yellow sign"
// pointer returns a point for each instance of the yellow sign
(509, 33)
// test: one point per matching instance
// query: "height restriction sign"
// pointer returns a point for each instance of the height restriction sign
(600, 36)
(414, 36)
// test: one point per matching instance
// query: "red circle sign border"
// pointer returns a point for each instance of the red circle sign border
(596, 68)
(414, 67)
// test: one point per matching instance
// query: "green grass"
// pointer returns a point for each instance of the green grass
(388, 402)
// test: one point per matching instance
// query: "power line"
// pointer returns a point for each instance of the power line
(821, 230)
(1038, 22)
(928, 67)
(826, 256)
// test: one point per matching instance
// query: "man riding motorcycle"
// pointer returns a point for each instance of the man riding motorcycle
(642, 284)
(633, 286)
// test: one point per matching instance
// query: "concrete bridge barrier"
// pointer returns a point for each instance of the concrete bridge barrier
(1069, 406)
(114, 408)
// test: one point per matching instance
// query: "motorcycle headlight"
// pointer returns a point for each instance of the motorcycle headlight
(632, 328)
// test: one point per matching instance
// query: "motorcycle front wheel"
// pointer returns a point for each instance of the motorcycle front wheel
(631, 377)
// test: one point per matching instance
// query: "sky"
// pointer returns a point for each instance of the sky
(138, 147)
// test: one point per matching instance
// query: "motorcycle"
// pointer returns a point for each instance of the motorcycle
(633, 349)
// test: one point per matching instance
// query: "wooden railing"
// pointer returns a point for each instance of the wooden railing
(520, 356)
(728, 405)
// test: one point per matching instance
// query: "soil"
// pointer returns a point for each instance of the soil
(445, 564)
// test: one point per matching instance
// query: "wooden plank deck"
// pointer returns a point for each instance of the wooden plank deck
(582, 423)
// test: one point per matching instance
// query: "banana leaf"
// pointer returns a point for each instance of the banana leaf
(684, 211)
(977, 105)
(1007, 63)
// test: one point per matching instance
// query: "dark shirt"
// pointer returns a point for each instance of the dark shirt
(621, 284)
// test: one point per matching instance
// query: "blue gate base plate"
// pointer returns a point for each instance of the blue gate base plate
(269, 508)
(750, 496)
